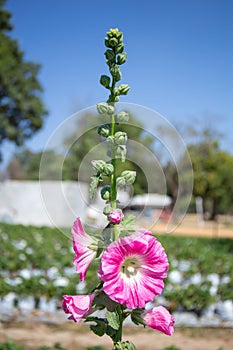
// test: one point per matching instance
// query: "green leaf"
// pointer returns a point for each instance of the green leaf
(129, 220)
(113, 319)
(93, 186)
(99, 327)
(102, 299)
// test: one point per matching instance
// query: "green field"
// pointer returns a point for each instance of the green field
(38, 262)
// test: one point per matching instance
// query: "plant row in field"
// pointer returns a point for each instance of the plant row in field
(38, 262)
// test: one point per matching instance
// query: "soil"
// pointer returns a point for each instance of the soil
(77, 336)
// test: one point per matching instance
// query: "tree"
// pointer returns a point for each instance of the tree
(213, 173)
(21, 109)
(25, 165)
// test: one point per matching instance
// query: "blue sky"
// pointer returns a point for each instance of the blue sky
(180, 56)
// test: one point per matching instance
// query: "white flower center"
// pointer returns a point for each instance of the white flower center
(130, 266)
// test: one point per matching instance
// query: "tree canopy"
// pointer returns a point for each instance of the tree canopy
(21, 109)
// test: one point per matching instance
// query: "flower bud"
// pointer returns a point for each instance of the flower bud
(105, 108)
(105, 81)
(121, 58)
(123, 89)
(120, 138)
(104, 130)
(129, 176)
(106, 192)
(106, 41)
(120, 182)
(122, 117)
(120, 152)
(98, 165)
(108, 169)
(110, 55)
(107, 209)
(119, 48)
(113, 42)
(115, 33)
(115, 216)
(115, 72)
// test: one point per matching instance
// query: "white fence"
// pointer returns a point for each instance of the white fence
(47, 203)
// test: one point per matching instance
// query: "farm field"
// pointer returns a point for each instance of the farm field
(36, 270)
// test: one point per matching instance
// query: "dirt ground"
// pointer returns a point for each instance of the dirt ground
(223, 228)
(75, 336)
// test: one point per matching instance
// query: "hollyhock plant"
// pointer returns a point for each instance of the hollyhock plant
(132, 262)
(83, 253)
(160, 319)
(133, 269)
(78, 306)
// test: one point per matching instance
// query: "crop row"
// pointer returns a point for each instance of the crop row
(38, 262)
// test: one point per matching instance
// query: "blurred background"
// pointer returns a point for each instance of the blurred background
(179, 64)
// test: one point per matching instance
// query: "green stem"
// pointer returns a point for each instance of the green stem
(119, 332)
(113, 160)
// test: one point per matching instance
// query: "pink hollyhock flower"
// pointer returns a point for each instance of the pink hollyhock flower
(78, 306)
(133, 269)
(81, 244)
(116, 216)
(160, 319)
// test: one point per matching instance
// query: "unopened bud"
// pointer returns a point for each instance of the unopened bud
(104, 130)
(119, 48)
(121, 58)
(122, 117)
(98, 165)
(115, 72)
(113, 42)
(106, 192)
(105, 108)
(110, 55)
(120, 152)
(116, 216)
(120, 138)
(107, 209)
(120, 182)
(123, 89)
(129, 176)
(105, 81)
(108, 169)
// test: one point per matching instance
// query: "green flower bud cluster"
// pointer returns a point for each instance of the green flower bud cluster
(118, 143)
(115, 57)
(102, 168)
(122, 117)
(105, 108)
(127, 177)
(124, 345)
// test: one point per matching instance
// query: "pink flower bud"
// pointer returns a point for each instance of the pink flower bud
(78, 306)
(160, 319)
(116, 216)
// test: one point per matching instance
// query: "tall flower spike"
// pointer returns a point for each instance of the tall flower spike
(133, 269)
(81, 244)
